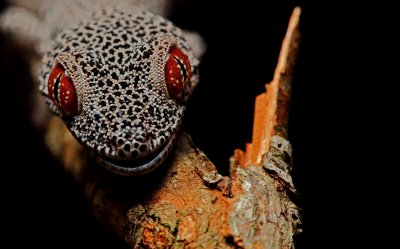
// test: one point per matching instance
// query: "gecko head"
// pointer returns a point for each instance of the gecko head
(122, 97)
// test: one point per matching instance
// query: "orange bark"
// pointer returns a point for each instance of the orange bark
(271, 107)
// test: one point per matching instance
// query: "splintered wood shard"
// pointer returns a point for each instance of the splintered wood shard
(271, 107)
(186, 203)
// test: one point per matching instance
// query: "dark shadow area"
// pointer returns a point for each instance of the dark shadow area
(243, 44)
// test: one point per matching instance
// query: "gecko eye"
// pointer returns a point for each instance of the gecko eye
(177, 72)
(62, 91)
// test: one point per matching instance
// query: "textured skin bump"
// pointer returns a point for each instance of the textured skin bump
(116, 60)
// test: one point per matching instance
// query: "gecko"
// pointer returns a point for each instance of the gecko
(119, 76)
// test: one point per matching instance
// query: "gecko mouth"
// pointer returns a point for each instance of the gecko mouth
(138, 166)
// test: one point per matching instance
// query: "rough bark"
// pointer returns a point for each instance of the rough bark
(187, 203)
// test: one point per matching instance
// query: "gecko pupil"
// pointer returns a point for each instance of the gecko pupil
(62, 91)
(177, 72)
(182, 67)
(56, 85)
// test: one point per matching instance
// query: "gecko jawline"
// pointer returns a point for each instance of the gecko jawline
(138, 166)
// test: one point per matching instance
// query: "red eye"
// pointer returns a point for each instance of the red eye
(62, 90)
(177, 72)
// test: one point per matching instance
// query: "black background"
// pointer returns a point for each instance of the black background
(336, 126)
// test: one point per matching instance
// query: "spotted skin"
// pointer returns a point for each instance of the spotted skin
(116, 60)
